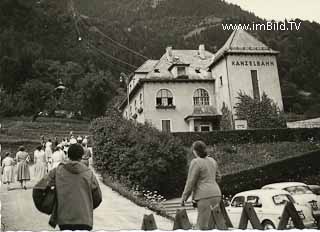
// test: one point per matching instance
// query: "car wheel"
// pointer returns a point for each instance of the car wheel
(268, 225)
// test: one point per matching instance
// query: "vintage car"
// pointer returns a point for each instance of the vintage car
(300, 192)
(269, 206)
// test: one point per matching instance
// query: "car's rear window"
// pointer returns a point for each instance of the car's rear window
(282, 199)
(295, 190)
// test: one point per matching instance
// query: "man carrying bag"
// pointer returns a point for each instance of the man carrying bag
(69, 193)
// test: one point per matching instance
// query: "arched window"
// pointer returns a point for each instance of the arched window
(164, 98)
(201, 97)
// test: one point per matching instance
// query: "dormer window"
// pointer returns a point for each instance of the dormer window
(157, 70)
(181, 70)
(197, 70)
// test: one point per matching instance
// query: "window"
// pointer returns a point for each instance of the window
(164, 98)
(135, 105)
(204, 128)
(201, 97)
(281, 199)
(181, 71)
(254, 200)
(126, 114)
(130, 110)
(166, 126)
(141, 102)
(221, 82)
(255, 84)
(238, 202)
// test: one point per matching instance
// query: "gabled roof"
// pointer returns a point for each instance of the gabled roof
(241, 41)
(186, 57)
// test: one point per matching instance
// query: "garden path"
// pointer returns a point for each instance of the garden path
(115, 212)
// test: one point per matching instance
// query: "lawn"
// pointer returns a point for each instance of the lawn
(233, 158)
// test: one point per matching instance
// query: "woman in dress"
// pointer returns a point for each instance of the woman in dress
(57, 157)
(23, 172)
(40, 160)
(48, 153)
(202, 183)
(7, 169)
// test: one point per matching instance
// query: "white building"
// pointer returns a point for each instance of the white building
(185, 89)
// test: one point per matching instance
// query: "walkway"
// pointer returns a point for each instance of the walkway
(115, 212)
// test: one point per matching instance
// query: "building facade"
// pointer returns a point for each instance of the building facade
(185, 89)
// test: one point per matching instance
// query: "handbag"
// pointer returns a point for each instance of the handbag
(44, 193)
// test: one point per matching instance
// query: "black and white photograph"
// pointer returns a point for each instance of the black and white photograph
(159, 115)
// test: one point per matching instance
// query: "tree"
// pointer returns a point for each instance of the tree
(95, 90)
(226, 121)
(35, 94)
(262, 113)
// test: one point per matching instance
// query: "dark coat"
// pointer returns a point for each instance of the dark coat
(78, 193)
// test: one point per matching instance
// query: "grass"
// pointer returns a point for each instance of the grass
(133, 196)
(44, 123)
(233, 158)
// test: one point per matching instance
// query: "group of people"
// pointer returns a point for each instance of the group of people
(78, 191)
(21, 160)
(47, 156)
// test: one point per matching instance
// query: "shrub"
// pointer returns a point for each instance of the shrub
(226, 121)
(137, 154)
(262, 113)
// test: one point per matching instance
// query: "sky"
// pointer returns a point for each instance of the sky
(281, 9)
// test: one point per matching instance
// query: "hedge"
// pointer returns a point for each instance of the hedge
(139, 155)
(304, 168)
(250, 136)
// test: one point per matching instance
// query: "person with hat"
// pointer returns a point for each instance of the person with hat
(78, 193)
(23, 172)
(7, 170)
(202, 183)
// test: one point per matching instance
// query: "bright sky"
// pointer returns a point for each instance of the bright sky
(281, 9)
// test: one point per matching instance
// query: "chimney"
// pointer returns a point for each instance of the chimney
(202, 51)
(169, 54)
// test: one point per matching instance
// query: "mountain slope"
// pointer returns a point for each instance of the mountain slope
(50, 31)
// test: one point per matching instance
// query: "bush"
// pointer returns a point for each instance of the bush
(251, 136)
(136, 154)
(262, 113)
(303, 168)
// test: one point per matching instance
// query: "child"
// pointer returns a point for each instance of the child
(7, 170)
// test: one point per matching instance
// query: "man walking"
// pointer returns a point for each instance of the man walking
(78, 193)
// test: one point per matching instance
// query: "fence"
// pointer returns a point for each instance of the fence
(220, 220)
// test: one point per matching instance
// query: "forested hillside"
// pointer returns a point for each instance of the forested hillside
(78, 41)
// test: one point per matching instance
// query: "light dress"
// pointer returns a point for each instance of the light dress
(40, 167)
(7, 167)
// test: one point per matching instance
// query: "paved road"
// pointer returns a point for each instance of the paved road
(114, 213)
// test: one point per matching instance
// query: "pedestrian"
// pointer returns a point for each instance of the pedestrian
(86, 155)
(85, 140)
(79, 139)
(48, 149)
(57, 157)
(56, 142)
(7, 170)
(78, 193)
(40, 160)
(73, 140)
(202, 183)
(23, 172)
